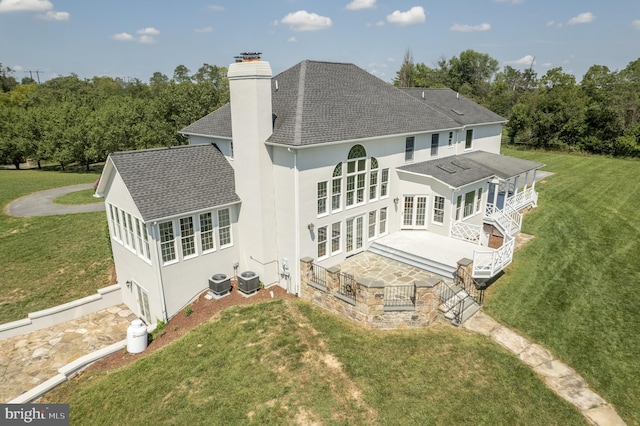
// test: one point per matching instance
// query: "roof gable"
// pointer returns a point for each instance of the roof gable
(171, 181)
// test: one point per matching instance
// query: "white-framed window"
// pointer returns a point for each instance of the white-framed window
(435, 141)
(468, 142)
(384, 183)
(336, 188)
(115, 223)
(131, 242)
(382, 228)
(438, 209)
(224, 228)
(479, 200)
(143, 301)
(187, 237)
(373, 179)
(322, 198)
(372, 223)
(458, 207)
(167, 241)
(143, 239)
(335, 237)
(356, 175)
(207, 240)
(468, 203)
(409, 146)
(322, 242)
(450, 142)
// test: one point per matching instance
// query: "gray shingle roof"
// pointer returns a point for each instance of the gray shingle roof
(172, 181)
(460, 170)
(319, 102)
(447, 100)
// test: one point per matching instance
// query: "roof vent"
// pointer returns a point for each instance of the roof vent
(248, 57)
(460, 164)
(446, 168)
(457, 111)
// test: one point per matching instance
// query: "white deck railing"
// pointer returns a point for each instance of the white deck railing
(526, 198)
(466, 232)
(487, 263)
(508, 220)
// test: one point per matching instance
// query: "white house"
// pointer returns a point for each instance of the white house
(324, 161)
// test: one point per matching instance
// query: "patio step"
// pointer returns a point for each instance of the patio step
(459, 306)
(428, 265)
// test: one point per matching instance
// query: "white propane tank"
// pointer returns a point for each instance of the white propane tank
(136, 337)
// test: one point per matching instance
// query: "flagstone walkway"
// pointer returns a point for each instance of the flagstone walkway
(557, 375)
(30, 359)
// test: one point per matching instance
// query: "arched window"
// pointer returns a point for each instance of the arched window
(356, 175)
(336, 188)
(357, 151)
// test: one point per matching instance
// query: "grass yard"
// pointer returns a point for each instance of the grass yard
(287, 362)
(46, 261)
(576, 287)
(78, 197)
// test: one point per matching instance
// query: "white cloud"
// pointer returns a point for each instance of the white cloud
(413, 16)
(292, 39)
(636, 24)
(208, 29)
(17, 68)
(547, 64)
(146, 39)
(470, 28)
(554, 24)
(525, 60)
(123, 37)
(361, 4)
(305, 21)
(215, 8)
(509, 1)
(583, 18)
(148, 31)
(55, 16)
(25, 5)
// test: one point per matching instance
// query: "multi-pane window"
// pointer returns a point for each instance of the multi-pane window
(143, 239)
(167, 241)
(322, 241)
(115, 225)
(469, 139)
(336, 188)
(322, 197)
(450, 143)
(143, 302)
(438, 209)
(373, 179)
(207, 241)
(382, 228)
(372, 223)
(131, 243)
(356, 175)
(421, 211)
(384, 183)
(224, 227)
(435, 140)
(479, 200)
(468, 203)
(118, 227)
(408, 148)
(360, 188)
(335, 237)
(187, 236)
(458, 207)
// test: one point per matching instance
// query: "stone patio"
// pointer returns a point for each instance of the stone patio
(375, 267)
(31, 359)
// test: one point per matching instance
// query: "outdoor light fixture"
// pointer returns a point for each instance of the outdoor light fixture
(396, 200)
(310, 226)
(128, 283)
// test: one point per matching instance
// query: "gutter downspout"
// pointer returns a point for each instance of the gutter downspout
(295, 282)
(163, 301)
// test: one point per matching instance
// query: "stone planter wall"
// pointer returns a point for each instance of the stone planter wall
(368, 308)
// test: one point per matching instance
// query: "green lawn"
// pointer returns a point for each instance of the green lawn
(79, 197)
(287, 362)
(46, 261)
(576, 287)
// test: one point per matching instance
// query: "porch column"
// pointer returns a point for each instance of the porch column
(533, 184)
(526, 180)
(496, 189)
(515, 185)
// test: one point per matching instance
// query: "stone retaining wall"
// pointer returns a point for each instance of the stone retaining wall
(368, 308)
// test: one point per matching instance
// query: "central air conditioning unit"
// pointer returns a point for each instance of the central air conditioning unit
(248, 282)
(219, 284)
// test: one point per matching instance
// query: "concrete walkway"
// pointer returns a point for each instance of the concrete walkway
(557, 375)
(31, 359)
(41, 203)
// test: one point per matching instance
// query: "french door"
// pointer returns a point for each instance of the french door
(414, 213)
(354, 235)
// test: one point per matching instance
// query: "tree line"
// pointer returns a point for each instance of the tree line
(601, 114)
(68, 120)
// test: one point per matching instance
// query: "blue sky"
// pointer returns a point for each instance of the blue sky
(135, 38)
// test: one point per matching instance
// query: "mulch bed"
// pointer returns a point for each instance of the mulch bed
(202, 311)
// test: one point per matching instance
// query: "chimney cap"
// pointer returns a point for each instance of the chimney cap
(248, 56)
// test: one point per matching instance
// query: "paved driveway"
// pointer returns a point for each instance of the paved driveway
(41, 203)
